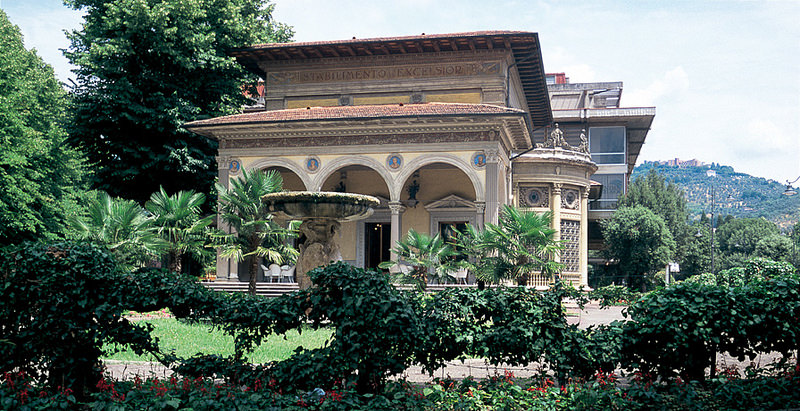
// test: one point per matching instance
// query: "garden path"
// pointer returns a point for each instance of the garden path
(592, 314)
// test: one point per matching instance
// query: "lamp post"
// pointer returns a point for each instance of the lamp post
(711, 174)
(790, 191)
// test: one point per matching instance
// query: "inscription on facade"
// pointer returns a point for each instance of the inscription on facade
(383, 73)
(421, 138)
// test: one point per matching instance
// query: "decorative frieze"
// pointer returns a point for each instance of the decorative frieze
(362, 74)
(416, 138)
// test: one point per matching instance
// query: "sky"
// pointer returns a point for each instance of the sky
(724, 76)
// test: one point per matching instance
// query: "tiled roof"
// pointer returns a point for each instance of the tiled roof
(358, 113)
(464, 35)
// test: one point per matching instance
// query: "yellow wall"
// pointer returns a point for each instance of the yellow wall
(313, 102)
(469, 97)
(359, 181)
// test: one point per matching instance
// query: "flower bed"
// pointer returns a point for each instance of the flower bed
(766, 389)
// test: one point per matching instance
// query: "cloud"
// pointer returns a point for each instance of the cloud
(674, 81)
(764, 135)
(558, 60)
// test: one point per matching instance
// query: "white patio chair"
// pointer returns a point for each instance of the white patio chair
(274, 273)
(461, 276)
(287, 272)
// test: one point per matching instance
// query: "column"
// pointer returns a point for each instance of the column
(224, 264)
(555, 207)
(397, 221)
(492, 171)
(480, 213)
(583, 260)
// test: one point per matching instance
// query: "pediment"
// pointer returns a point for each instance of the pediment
(449, 202)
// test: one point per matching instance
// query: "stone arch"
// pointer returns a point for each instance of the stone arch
(263, 163)
(419, 162)
(328, 168)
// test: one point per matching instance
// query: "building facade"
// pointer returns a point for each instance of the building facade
(442, 128)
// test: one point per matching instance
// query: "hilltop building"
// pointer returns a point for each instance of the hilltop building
(444, 129)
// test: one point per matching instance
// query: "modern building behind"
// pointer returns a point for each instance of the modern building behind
(615, 133)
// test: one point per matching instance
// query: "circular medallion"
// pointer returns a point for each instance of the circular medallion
(394, 161)
(312, 164)
(234, 166)
(534, 197)
(479, 159)
(570, 199)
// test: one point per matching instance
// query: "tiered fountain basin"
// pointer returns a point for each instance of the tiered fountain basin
(321, 213)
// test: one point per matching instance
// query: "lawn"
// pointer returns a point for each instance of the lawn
(189, 339)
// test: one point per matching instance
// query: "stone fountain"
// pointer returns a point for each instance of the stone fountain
(321, 214)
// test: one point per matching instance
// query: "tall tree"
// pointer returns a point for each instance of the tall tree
(144, 68)
(638, 239)
(666, 199)
(40, 177)
(255, 234)
(737, 239)
(179, 223)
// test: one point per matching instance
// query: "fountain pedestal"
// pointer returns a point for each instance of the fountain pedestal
(321, 214)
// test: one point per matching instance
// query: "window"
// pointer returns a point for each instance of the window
(570, 255)
(607, 145)
(613, 187)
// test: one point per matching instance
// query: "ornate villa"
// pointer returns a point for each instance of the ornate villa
(443, 129)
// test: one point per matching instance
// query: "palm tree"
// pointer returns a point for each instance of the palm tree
(255, 234)
(123, 227)
(425, 254)
(177, 219)
(519, 244)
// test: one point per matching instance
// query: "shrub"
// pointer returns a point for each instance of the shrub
(57, 304)
(679, 330)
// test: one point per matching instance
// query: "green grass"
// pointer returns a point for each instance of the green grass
(190, 339)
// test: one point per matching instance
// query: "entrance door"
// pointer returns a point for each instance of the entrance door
(378, 242)
(447, 229)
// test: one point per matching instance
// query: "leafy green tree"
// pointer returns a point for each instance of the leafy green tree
(639, 241)
(255, 234)
(697, 253)
(144, 68)
(179, 222)
(426, 255)
(737, 239)
(123, 227)
(40, 177)
(519, 244)
(775, 247)
(667, 200)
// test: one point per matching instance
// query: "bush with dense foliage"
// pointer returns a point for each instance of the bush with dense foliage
(680, 330)
(60, 303)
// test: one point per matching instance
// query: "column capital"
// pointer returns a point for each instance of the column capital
(585, 193)
(222, 162)
(492, 156)
(557, 188)
(480, 206)
(396, 207)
